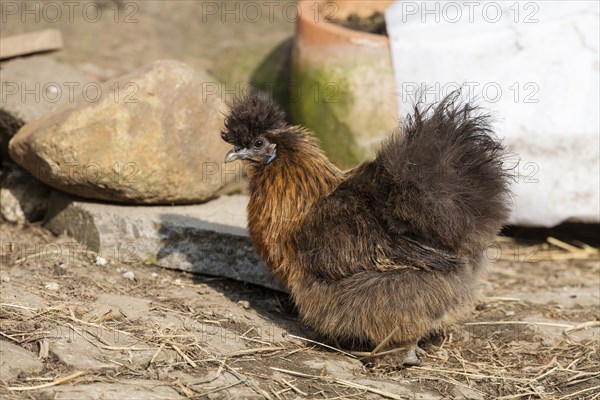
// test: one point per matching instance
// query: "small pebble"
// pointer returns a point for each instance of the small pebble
(509, 313)
(129, 275)
(154, 275)
(177, 281)
(244, 304)
(6, 279)
(101, 261)
(52, 286)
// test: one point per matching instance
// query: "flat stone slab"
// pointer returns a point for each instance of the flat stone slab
(134, 389)
(209, 238)
(27, 361)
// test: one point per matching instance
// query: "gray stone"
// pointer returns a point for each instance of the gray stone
(130, 307)
(150, 137)
(567, 296)
(210, 238)
(464, 392)
(13, 295)
(10, 209)
(15, 360)
(22, 197)
(75, 351)
(32, 87)
(130, 389)
(75, 348)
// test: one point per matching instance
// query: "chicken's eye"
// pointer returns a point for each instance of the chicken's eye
(258, 144)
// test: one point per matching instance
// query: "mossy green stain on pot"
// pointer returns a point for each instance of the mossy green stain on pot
(349, 104)
(320, 100)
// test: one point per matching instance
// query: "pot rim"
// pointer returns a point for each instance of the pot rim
(305, 17)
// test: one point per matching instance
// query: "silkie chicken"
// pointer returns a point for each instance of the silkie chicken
(385, 253)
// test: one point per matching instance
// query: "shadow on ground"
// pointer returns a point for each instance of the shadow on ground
(224, 260)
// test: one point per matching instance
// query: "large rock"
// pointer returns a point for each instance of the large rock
(32, 87)
(152, 137)
(209, 238)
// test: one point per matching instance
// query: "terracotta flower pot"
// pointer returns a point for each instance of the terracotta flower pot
(342, 85)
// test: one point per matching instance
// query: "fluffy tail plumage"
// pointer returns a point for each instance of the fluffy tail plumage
(447, 166)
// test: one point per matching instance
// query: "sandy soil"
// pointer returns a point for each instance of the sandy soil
(128, 331)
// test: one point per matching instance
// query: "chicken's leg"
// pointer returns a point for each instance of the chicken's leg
(413, 356)
(404, 355)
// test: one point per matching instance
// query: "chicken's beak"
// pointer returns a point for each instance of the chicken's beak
(235, 154)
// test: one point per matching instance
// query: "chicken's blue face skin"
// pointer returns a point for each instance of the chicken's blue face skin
(260, 150)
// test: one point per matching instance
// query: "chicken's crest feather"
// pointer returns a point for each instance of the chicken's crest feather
(251, 115)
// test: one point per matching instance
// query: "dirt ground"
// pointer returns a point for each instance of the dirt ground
(71, 328)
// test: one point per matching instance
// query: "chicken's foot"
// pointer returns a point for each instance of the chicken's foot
(402, 356)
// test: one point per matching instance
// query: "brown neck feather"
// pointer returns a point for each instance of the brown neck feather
(281, 193)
